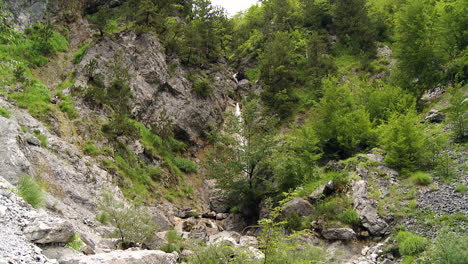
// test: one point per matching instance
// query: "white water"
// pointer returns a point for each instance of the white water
(238, 114)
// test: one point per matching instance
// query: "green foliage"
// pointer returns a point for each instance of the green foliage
(132, 223)
(42, 138)
(410, 244)
(349, 216)
(103, 218)
(213, 254)
(174, 242)
(30, 190)
(337, 208)
(35, 97)
(461, 188)
(450, 248)
(80, 53)
(403, 139)
(241, 154)
(353, 26)
(294, 162)
(414, 47)
(76, 242)
(279, 247)
(66, 105)
(457, 113)
(421, 178)
(341, 124)
(203, 87)
(4, 112)
(277, 72)
(91, 149)
(185, 165)
(46, 40)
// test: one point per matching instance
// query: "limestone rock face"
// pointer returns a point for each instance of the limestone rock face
(338, 233)
(45, 230)
(13, 162)
(367, 210)
(124, 257)
(156, 90)
(300, 206)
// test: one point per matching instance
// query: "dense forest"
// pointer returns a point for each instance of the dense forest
(332, 93)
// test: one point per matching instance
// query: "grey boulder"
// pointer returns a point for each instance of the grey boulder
(125, 257)
(338, 233)
(367, 210)
(298, 205)
(45, 230)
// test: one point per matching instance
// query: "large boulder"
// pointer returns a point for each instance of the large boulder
(160, 219)
(230, 237)
(234, 222)
(367, 210)
(338, 233)
(45, 230)
(300, 206)
(124, 257)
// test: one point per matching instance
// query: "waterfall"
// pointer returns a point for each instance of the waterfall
(238, 114)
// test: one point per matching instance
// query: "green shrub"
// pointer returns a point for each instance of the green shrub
(30, 190)
(75, 242)
(342, 125)
(410, 244)
(103, 218)
(450, 248)
(42, 138)
(403, 139)
(133, 224)
(80, 53)
(421, 178)
(461, 188)
(203, 87)
(349, 216)
(34, 97)
(186, 165)
(66, 105)
(213, 254)
(91, 150)
(4, 112)
(174, 242)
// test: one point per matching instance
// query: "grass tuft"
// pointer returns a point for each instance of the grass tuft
(30, 190)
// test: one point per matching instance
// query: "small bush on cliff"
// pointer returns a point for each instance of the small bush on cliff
(4, 112)
(30, 190)
(410, 244)
(132, 223)
(186, 165)
(421, 178)
(404, 141)
(450, 248)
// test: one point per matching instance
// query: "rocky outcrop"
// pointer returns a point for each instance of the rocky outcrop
(234, 222)
(156, 91)
(322, 191)
(124, 257)
(297, 205)
(338, 233)
(45, 230)
(367, 210)
(14, 215)
(434, 116)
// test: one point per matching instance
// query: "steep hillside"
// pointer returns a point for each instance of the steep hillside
(298, 131)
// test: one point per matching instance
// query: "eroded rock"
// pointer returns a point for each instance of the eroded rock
(298, 205)
(367, 210)
(124, 257)
(338, 233)
(45, 230)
